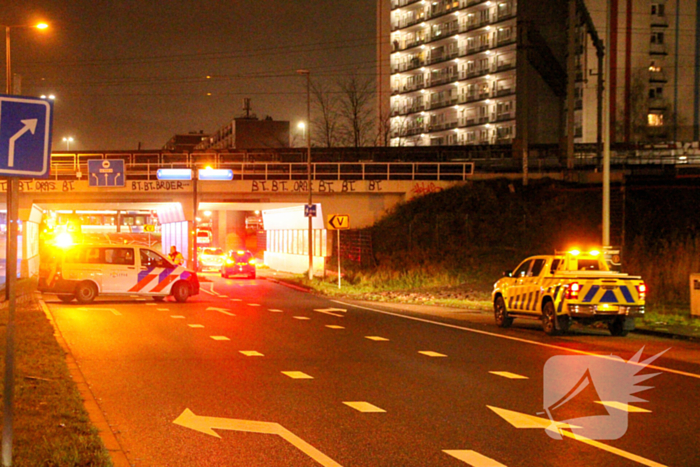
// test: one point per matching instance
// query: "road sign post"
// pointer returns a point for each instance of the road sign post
(25, 148)
(338, 222)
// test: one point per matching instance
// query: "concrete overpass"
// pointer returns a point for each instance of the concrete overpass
(364, 191)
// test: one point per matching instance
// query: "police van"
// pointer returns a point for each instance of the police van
(83, 272)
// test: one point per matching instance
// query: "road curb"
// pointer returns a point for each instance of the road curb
(97, 417)
(300, 288)
(665, 334)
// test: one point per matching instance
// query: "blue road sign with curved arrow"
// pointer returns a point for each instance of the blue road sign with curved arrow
(25, 136)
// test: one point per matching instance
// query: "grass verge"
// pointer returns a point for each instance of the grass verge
(51, 425)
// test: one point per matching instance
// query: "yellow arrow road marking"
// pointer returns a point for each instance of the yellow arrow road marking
(473, 458)
(207, 425)
(521, 420)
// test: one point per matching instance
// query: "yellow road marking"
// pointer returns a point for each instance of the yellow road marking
(623, 406)
(376, 338)
(251, 353)
(520, 339)
(362, 406)
(334, 326)
(220, 338)
(430, 353)
(507, 374)
(196, 325)
(177, 316)
(473, 458)
(297, 375)
(301, 317)
(207, 425)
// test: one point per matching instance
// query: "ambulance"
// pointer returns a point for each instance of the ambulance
(82, 272)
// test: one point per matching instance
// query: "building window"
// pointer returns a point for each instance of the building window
(656, 93)
(656, 119)
(657, 37)
(657, 9)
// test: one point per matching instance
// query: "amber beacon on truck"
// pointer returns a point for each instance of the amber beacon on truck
(566, 287)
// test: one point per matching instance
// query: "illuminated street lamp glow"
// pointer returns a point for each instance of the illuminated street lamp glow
(68, 140)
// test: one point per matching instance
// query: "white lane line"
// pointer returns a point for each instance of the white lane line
(520, 339)
(301, 317)
(334, 326)
(177, 316)
(430, 353)
(274, 310)
(111, 310)
(196, 325)
(151, 304)
(376, 338)
(163, 309)
(220, 338)
(251, 353)
(220, 310)
(365, 407)
(206, 291)
(236, 300)
(215, 292)
(473, 458)
(297, 375)
(253, 304)
(622, 406)
(507, 374)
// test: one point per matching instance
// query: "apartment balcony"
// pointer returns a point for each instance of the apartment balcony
(659, 21)
(442, 126)
(395, 4)
(658, 104)
(442, 58)
(441, 104)
(502, 117)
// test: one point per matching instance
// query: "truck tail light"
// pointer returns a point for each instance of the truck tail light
(642, 291)
(572, 291)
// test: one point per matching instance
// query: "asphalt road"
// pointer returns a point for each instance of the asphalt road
(253, 373)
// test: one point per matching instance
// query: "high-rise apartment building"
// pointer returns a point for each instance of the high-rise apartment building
(460, 72)
(654, 70)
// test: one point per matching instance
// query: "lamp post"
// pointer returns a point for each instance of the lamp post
(68, 140)
(12, 201)
(308, 169)
(302, 126)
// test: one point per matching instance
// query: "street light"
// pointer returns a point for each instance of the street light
(302, 127)
(68, 140)
(308, 169)
(12, 203)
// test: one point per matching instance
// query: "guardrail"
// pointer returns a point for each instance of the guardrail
(448, 171)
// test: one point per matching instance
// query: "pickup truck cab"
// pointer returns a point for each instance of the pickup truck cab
(83, 272)
(566, 287)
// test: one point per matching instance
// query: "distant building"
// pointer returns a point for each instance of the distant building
(248, 133)
(185, 143)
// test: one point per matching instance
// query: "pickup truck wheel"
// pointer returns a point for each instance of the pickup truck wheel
(65, 298)
(617, 327)
(549, 319)
(86, 292)
(503, 320)
(181, 291)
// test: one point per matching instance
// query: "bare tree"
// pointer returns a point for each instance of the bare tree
(327, 120)
(356, 97)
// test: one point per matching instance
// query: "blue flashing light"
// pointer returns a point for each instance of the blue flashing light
(215, 174)
(174, 174)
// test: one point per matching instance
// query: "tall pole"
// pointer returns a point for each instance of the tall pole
(606, 131)
(10, 286)
(308, 168)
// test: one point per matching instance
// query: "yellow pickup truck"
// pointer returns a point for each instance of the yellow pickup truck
(566, 287)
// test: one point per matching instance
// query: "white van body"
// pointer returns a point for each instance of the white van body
(85, 271)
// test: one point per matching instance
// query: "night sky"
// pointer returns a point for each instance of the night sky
(129, 72)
